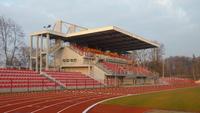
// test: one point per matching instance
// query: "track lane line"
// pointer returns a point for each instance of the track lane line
(20, 99)
(29, 100)
(57, 99)
(38, 99)
(80, 103)
(77, 99)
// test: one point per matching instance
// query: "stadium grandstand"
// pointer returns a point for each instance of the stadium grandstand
(99, 54)
(68, 56)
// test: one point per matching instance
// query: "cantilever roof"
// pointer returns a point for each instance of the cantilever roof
(111, 38)
(106, 38)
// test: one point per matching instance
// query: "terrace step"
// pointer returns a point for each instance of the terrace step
(72, 78)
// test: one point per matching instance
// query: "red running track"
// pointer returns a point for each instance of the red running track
(68, 101)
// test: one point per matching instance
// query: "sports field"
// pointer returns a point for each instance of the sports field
(187, 99)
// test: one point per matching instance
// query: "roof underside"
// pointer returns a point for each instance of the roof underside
(108, 38)
(111, 39)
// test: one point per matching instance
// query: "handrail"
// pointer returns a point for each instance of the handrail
(56, 47)
(103, 68)
(53, 79)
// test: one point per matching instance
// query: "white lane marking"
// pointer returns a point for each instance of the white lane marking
(56, 104)
(93, 105)
(79, 103)
(28, 95)
(30, 105)
(32, 100)
(20, 98)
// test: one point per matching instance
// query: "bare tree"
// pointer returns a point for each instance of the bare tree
(24, 56)
(141, 56)
(150, 58)
(11, 38)
(182, 66)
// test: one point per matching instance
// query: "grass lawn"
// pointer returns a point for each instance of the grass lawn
(187, 99)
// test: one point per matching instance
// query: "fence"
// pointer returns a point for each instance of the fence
(29, 85)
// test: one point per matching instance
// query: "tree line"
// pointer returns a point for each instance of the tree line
(172, 66)
(182, 66)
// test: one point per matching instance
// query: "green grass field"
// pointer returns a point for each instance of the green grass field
(187, 99)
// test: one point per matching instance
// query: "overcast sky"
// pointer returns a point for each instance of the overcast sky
(175, 23)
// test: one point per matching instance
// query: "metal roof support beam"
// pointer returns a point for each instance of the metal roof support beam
(41, 49)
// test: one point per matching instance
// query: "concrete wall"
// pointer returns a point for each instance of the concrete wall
(69, 54)
(98, 73)
(83, 70)
(58, 57)
(70, 61)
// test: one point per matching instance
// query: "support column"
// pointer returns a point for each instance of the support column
(31, 46)
(37, 47)
(155, 54)
(89, 70)
(47, 52)
(41, 49)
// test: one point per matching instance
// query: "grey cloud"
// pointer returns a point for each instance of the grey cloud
(174, 23)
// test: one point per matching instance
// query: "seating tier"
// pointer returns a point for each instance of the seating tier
(73, 78)
(16, 78)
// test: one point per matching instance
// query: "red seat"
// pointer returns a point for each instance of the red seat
(72, 78)
(22, 79)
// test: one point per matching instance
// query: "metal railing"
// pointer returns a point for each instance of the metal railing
(29, 85)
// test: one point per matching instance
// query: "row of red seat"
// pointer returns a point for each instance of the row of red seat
(90, 52)
(124, 69)
(117, 69)
(72, 78)
(18, 75)
(16, 78)
(23, 71)
(26, 85)
(139, 70)
(60, 72)
(23, 82)
(16, 69)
